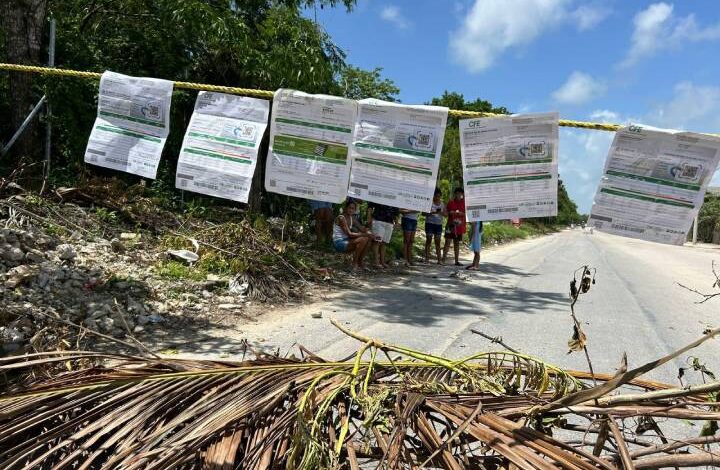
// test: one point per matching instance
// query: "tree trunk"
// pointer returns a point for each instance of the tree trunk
(23, 22)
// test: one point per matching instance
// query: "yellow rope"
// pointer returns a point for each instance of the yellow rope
(269, 94)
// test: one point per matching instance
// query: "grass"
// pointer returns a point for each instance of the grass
(503, 232)
(172, 269)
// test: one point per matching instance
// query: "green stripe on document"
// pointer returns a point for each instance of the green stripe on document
(416, 153)
(510, 179)
(616, 192)
(129, 133)
(395, 167)
(133, 119)
(310, 149)
(314, 125)
(225, 140)
(649, 179)
(513, 162)
(219, 156)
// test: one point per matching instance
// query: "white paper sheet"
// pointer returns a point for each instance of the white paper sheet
(510, 166)
(219, 153)
(309, 140)
(396, 153)
(654, 183)
(132, 124)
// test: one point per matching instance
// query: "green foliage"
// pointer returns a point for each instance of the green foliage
(501, 231)
(172, 269)
(106, 215)
(709, 218)
(357, 84)
(567, 210)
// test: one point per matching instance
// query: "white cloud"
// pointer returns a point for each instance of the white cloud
(692, 107)
(578, 89)
(392, 14)
(589, 16)
(581, 161)
(657, 29)
(605, 116)
(491, 27)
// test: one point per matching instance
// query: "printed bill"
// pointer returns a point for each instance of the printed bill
(396, 153)
(309, 140)
(132, 124)
(654, 183)
(219, 153)
(510, 166)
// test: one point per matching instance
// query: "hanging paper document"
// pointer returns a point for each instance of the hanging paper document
(510, 166)
(132, 124)
(396, 153)
(654, 183)
(220, 149)
(309, 141)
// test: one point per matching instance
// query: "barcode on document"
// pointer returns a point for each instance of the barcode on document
(300, 190)
(627, 228)
(502, 209)
(382, 195)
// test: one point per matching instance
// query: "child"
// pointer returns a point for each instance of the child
(455, 228)
(476, 244)
(381, 220)
(433, 226)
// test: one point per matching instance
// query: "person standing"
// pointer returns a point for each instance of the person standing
(323, 216)
(347, 241)
(433, 226)
(381, 220)
(456, 227)
(476, 231)
(409, 222)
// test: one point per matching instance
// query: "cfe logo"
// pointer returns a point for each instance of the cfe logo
(475, 124)
(635, 128)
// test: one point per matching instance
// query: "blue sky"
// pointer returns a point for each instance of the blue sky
(656, 63)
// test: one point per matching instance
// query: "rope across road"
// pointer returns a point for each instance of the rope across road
(597, 126)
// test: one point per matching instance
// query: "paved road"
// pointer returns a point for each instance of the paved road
(520, 293)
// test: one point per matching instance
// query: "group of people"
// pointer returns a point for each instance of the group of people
(350, 235)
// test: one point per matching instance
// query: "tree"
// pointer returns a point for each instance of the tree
(23, 26)
(356, 83)
(709, 218)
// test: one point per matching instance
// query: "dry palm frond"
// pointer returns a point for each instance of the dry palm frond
(423, 411)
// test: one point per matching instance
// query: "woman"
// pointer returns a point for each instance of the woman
(433, 226)
(347, 241)
(475, 244)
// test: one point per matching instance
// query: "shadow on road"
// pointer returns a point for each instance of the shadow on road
(426, 297)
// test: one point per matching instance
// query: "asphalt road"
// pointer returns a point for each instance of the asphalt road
(521, 294)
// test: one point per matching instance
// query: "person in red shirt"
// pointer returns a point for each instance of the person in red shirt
(455, 227)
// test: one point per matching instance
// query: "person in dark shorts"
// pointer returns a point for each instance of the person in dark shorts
(322, 213)
(434, 226)
(381, 220)
(456, 227)
(408, 222)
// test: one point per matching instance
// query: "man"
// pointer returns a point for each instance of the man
(408, 222)
(381, 220)
(456, 227)
(433, 226)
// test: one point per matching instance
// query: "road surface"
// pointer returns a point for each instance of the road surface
(521, 294)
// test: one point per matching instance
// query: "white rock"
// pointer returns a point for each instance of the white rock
(66, 252)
